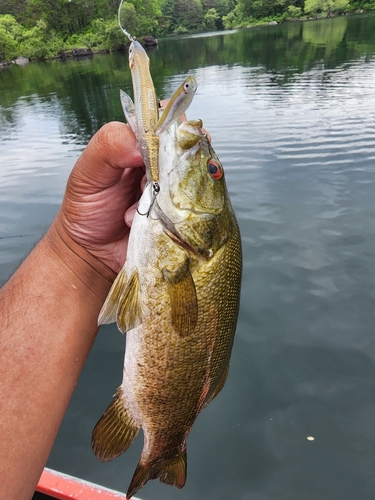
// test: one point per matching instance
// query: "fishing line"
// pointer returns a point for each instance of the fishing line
(131, 38)
(18, 236)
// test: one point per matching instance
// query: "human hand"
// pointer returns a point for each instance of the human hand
(102, 193)
(105, 182)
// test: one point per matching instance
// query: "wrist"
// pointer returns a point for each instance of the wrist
(82, 269)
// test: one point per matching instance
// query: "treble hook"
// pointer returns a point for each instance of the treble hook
(155, 192)
(131, 38)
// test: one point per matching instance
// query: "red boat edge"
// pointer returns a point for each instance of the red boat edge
(61, 486)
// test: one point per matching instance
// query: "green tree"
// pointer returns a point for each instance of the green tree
(144, 16)
(114, 38)
(129, 18)
(232, 20)
(327, 7)
(66, 16)
(211, 18)
(294, 12)
(183, 15)
(260, 8)
(40, 42)
(13, 7)
(166, 23)
(8, 42)
(221, 9)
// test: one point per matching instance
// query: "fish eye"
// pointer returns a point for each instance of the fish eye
(215, 170)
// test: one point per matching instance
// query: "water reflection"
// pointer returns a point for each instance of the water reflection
(291, 112)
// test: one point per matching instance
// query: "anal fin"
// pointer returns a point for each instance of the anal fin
(183, 297)
(114, 432)
(172, 472)
(218, 387)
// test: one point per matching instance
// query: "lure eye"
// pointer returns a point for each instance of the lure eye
(190, 85)
(215, 170)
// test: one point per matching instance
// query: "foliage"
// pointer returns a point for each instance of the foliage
(40, 41)
(211, 18)
(180, 16)
(13, 7)
(139, 17)
(45, 28)
(294, 12)
(327, 7)
(231, 20)
(8, 37)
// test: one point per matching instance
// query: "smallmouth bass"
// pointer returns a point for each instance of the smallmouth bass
(177, 299)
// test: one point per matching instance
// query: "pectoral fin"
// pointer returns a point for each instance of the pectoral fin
(183, 297)
(123, 303)
(129, 311)
(114, 432)
(108, 311)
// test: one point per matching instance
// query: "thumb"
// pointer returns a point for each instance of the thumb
(112, 149)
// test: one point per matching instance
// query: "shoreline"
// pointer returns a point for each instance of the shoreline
(77, 53)
(149, 41)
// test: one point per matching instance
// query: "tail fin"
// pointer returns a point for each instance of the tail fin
(114, 432)
(171, 472)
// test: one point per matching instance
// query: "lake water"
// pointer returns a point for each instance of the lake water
(291, 110)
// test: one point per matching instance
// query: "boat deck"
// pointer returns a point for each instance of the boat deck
(59, 486)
